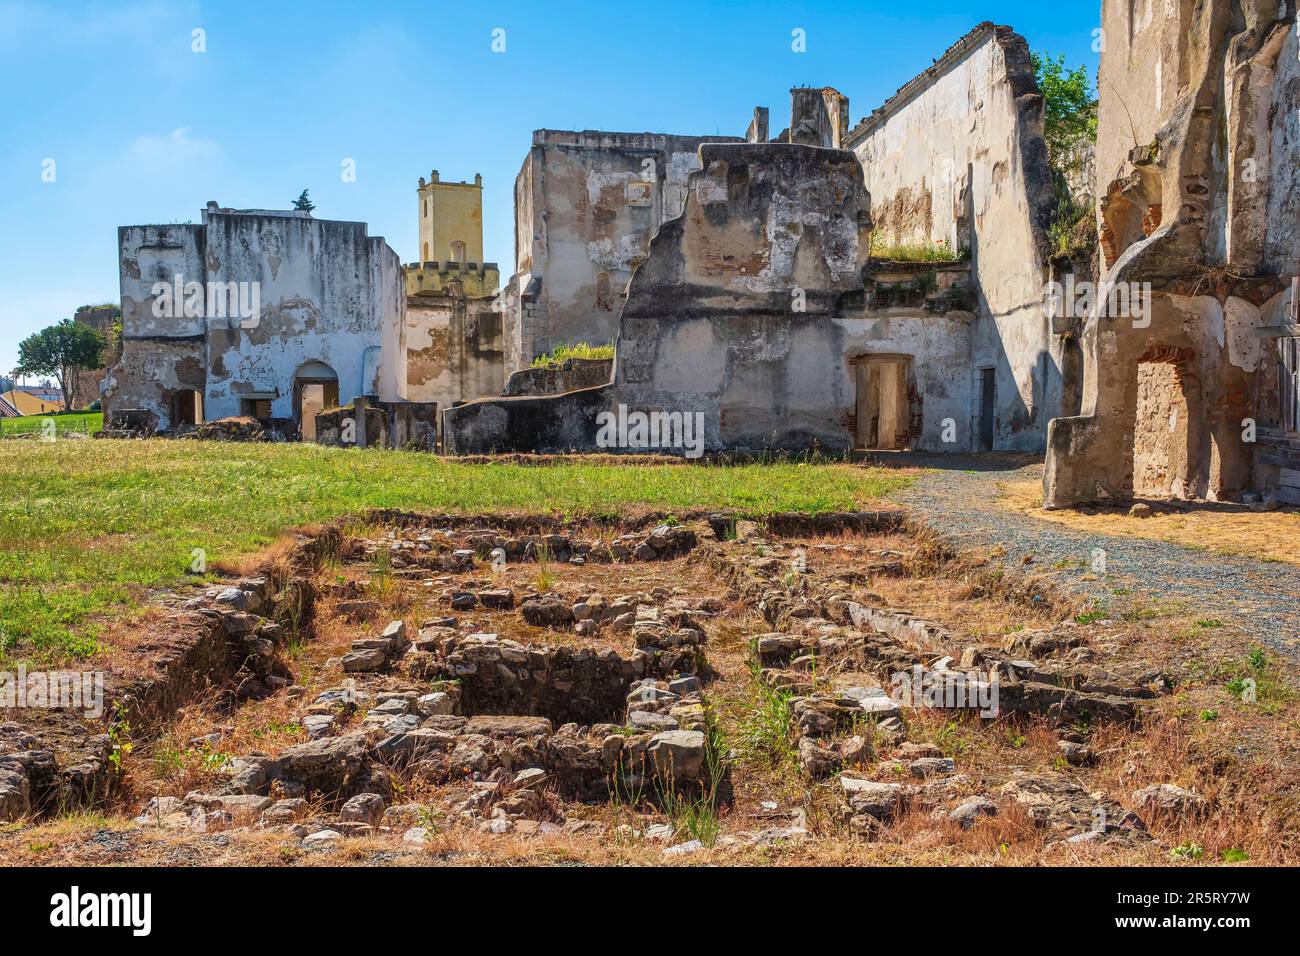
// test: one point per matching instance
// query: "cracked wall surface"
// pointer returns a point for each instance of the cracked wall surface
(1197, 166)
(957, 158)
(751, 313)
(328, 295)
(586, 206)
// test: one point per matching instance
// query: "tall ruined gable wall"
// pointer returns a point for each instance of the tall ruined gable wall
(964, 136)
(957, 157)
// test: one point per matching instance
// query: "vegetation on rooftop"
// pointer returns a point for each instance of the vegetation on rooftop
(579, 350)
(938, 251)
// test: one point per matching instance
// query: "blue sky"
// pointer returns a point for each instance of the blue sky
(144, 130)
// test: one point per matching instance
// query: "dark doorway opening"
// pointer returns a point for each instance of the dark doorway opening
(188, 406)
(987, 407)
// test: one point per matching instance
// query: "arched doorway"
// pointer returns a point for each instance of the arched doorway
(315, 388)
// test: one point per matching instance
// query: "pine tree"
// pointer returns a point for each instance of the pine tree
(304, 204)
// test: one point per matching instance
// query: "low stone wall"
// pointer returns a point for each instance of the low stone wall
(228, 637)
(568, 376)
(550, 424)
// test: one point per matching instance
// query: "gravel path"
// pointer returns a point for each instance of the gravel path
(1262, 597)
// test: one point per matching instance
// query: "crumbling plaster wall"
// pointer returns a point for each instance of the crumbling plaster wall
(711, 326)
(957, 156)
(160, 356)
(818, 117)
(453, 349)
(711, 323)
(586, 206)
(1197, 169)
(329, 294)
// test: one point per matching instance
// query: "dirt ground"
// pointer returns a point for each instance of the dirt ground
(1229, 529)
(1222, 728)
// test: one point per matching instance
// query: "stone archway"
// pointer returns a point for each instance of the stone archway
(315, 388)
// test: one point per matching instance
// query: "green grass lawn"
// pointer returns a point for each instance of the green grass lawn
(84, 423)
(87, 528)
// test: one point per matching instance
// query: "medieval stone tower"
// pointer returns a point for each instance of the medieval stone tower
(451, 235)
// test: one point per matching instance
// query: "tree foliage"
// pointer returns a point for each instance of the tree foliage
(1069, 106)
(303, 203)
(61, 350)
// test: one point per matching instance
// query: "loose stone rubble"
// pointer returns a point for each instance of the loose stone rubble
(527, 709)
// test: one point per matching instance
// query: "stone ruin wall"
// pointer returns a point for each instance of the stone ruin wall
(1197, 172)
(160, 357)
(586, 205)
(568, 376)
(328, 293)
(85, 388)
(454, 349)
(957, 157)
(709, 326)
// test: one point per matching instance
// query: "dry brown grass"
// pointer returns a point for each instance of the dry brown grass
(1240, 756)
(1223, 529)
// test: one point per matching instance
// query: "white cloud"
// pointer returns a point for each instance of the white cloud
(177, 151)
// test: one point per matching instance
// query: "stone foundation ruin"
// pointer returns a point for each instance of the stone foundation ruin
(524, 709)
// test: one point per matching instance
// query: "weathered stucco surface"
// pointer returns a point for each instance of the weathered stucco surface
(451, 220)
(327, 295)
(751, 314)
(713, 323)
(957, 158)
(874, 355)
(1197, 167)
(586, 205)
(453, 349)
(568, 376)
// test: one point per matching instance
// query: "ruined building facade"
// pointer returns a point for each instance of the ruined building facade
(877, 286)
(268, 314)
(586, 207)
(753, 295)
(1198, 157)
